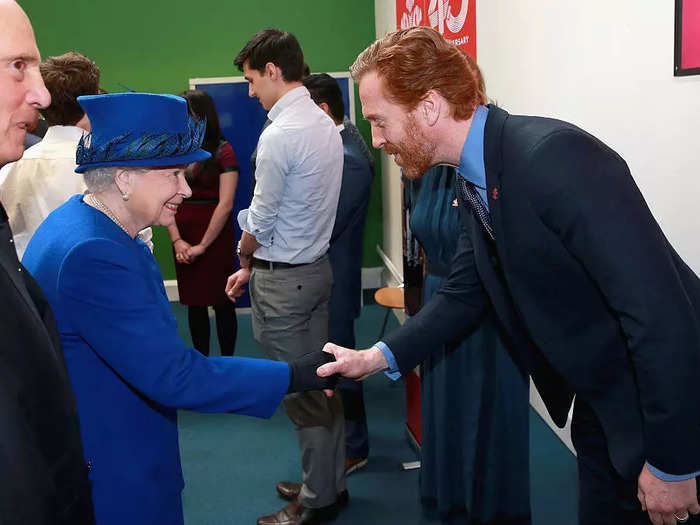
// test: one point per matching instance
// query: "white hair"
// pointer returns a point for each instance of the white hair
(99, 179)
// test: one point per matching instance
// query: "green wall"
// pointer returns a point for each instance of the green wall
(150, 45)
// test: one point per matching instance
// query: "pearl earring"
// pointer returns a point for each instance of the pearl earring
(125, 196)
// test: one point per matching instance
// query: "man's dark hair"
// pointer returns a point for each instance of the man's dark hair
(272, 45)
(324, 88)
(68, 76)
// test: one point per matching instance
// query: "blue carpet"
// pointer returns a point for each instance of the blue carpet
(231, 463)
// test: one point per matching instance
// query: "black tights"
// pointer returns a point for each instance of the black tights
(226, 327)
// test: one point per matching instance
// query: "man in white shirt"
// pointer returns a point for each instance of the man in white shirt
(283, 252)
(44, 177)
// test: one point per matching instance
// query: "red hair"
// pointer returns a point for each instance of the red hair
(414, 61)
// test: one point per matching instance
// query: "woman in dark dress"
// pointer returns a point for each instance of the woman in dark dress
(202, 236)
(474, 400)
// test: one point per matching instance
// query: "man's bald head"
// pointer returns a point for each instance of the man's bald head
(22, 91)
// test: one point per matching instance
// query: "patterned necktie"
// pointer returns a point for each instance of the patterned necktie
(467, 193)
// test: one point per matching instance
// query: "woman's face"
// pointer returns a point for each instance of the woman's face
(155, 195)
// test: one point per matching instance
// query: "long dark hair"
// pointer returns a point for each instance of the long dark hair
(202, 106)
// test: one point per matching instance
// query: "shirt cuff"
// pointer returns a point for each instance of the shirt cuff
(245, 222)
(393, 371)
(671, 477)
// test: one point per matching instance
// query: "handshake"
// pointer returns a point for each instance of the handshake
(303, 376)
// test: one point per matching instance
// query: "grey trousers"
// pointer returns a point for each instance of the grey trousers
(290, 318)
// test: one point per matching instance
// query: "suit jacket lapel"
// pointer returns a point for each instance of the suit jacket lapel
(10, 263)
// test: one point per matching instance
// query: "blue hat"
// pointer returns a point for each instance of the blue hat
(139, 129)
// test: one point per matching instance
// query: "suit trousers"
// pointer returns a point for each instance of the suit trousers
(605, 497)
(290, 318)
(341, 331)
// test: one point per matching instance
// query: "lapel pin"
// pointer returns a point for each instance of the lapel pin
(455, 204)
(494, 193)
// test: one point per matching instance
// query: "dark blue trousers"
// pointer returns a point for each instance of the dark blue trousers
(605, 498)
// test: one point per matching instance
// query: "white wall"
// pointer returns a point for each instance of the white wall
(385, 19)
(607, 67)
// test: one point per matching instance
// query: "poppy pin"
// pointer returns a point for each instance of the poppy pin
(494, 193)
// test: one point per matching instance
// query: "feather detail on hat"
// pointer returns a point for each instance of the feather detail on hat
(130, 147)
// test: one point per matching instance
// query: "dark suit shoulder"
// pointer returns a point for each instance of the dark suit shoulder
(524, 133)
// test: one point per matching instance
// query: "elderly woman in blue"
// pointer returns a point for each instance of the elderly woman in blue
(129, 369)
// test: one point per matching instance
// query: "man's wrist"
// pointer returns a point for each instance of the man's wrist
(243, 257)
(375, 361)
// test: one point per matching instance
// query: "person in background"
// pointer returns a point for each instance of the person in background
(473, 470)
(43, 475)
(44, 178)
(345, 254)
(202, 234)
(283, 252)
(557, 238)
(129, 369)
(254, 155)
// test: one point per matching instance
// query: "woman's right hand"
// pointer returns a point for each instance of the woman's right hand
(181, 248)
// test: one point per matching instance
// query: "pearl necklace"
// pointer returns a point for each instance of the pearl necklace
(96, 203)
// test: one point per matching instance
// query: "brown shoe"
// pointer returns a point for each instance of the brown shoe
(289, 515)
(296, 514)
(289, 490)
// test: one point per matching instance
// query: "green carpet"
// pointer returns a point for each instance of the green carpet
(231, 463)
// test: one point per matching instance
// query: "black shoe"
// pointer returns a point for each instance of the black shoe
(311, 516)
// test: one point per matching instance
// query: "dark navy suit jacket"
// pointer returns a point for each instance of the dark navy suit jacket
(345, 250)
(594, 298)
(43, 475)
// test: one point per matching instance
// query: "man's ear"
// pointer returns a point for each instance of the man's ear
(273, 71)
(325, 108)
(429, 107)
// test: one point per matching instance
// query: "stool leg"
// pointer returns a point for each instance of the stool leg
(386, 318)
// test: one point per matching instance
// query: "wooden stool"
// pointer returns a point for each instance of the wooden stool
(388, 297)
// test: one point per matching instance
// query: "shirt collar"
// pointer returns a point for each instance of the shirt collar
(289, 98)
(340, 127)
(471, 161)
(63, 134)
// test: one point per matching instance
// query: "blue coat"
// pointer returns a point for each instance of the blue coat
(129, 369)
(345, 250)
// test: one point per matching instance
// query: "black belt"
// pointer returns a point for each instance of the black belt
(271, 265)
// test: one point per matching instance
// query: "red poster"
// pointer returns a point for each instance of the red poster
(690, 51)
(454, 19)
(687, 38)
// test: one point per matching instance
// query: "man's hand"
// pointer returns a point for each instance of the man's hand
(662, 499)
(354, 364)
(236, 282)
